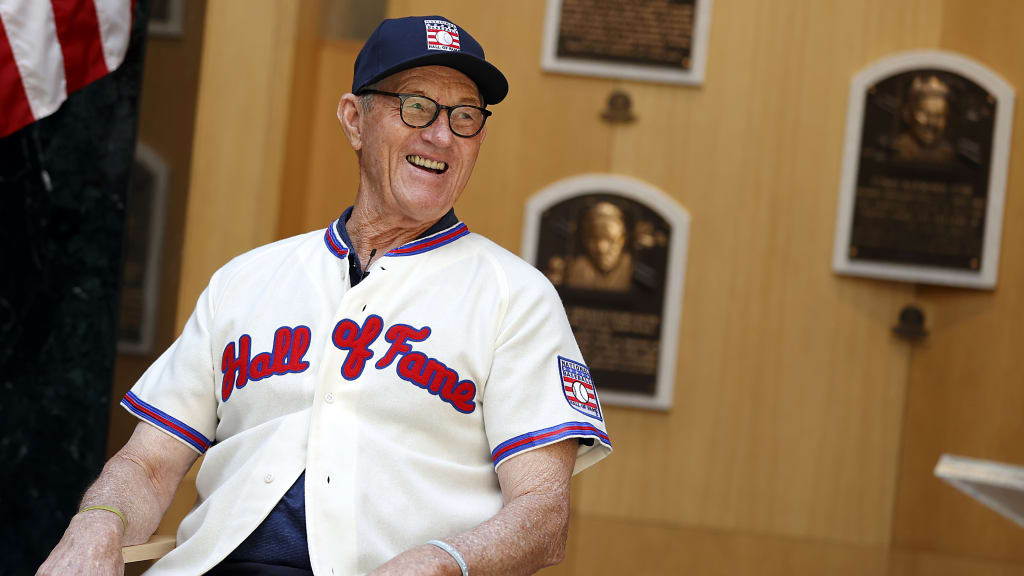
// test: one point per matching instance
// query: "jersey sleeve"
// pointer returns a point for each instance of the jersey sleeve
(177, 393)
(539, 390)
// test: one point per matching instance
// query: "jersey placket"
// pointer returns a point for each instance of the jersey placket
(332, 460)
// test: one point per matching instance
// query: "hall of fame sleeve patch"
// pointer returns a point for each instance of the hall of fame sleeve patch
(578, 387)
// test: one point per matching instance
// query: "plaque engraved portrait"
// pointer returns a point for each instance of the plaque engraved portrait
(653, 40)
(924, 173)
(605, 262)
(924, 114)
(615, 251)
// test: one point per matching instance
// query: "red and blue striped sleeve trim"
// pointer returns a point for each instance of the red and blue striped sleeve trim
(546, 436)
(165, 422)
(334, 244)
(431, 242)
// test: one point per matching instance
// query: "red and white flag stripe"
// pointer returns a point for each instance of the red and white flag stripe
(50, 48)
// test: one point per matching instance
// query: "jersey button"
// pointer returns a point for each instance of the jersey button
(268, 477)
(329, 397)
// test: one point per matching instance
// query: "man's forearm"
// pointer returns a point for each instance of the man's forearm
(126, 484)
(140, 481)
(526, 535)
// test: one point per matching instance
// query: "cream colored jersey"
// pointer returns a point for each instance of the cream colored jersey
(399, 397)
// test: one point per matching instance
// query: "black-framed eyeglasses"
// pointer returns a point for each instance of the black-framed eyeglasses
(418, 111)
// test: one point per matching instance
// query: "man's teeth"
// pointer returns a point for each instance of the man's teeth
(420, 161)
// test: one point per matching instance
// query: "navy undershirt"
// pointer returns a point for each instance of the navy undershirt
(280, 540)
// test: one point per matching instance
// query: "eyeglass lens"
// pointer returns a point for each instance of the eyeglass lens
(418, 111)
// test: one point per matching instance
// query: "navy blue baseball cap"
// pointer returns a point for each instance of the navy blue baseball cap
(402, 43)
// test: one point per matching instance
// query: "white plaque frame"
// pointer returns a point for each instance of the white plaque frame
(694, 76)
(998, 485)
(985, 277)
(672, 309)
(154, 162)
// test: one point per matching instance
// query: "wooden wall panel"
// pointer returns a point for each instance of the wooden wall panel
(301, 117)
(239, 147)
(965, 391)
(789, 394)
(333, 171)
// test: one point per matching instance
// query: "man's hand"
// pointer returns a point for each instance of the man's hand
(91, 545)
(140, 481)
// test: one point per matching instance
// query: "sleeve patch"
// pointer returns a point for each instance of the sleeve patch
(578, 387)
(165, 422)
(546, 436)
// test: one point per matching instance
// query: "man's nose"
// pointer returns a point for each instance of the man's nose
(438, 133)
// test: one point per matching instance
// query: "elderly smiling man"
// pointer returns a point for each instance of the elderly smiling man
(391, 395)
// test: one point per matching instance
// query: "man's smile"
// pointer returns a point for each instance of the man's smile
(435, 166)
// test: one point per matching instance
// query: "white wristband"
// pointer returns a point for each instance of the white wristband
(453, 553)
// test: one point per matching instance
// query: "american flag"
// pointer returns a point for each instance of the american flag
(51, 48)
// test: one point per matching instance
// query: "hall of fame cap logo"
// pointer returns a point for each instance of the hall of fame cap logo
(578, 387)
(442, 35)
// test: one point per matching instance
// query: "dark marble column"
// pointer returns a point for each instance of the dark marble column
(63, 185)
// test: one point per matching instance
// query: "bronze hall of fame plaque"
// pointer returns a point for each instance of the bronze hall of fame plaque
(925, 171)
(651, 40)
(615, 249)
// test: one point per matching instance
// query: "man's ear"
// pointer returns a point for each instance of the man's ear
(350, 115)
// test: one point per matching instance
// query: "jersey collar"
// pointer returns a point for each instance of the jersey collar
(426, 243)
(445, 231)
(334, 241)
